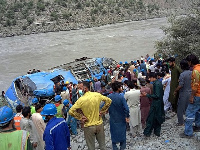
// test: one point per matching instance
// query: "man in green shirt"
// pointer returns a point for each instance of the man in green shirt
(156, 114)
(175, 73)
(10, 138)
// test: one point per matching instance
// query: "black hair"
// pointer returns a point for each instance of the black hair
(142, 82)
(86, 84)
(184, 65)
(131, 85)
(156, 70)
(147, 81)
(19, 108)
(26, 111)
(126, 82)
(194, 60)
(116, 85)
(2, 93)
(152, 75)
(190, 57)
(171, 59)
(6, 125)
(38, 106)
(159, 74)
(142, 61)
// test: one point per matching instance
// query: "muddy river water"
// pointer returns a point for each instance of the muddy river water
(123, 42)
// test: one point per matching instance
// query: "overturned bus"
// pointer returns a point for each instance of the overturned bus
(24, 88)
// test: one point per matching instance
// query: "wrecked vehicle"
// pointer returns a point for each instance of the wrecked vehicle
(24, 88)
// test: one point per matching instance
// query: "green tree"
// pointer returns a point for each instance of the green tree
(182, 37)
(54, 16)
(66, 16)
(40, 6)
(8, 23)
(30, 20)
(10, 14)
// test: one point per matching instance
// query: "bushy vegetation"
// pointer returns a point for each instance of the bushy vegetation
(24, 13)
(182, 36)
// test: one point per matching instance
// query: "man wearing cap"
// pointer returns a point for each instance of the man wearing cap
(56, 134)
(72, 122)
(34, 103)
(65, 93)
(10, 138)
(59, 106)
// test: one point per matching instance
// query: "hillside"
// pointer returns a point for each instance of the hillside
(35, 16)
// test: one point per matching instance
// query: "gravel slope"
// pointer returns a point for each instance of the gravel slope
(169, 139)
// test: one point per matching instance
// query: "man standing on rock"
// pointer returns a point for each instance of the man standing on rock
(192, 112)
(56, 134)
(156, 114)
(119, 115)
(87, 109)
(175, 73)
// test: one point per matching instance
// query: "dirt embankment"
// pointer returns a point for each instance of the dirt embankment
(29, 17)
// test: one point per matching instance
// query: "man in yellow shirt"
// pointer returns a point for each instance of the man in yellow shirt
(87, 109)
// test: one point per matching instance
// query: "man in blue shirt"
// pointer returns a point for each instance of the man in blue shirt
(56, 134)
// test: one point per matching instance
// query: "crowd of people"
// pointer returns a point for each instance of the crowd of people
(138, 96)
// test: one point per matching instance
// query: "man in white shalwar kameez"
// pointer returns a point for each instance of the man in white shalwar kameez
(166, 84)
(133, 100)
(39, 125)
(27, 125)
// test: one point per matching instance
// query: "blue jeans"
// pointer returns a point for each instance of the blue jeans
(192, 115)
(122, 145)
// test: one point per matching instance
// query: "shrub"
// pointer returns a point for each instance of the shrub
(30, 20)
(40, 6)
(10, 14)
(54, 16)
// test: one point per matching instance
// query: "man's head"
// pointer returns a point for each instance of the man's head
(142, 82)
(49, 111)
(184, 64)
(194, 60)
(74, 86)
(86, 86)
(19, 108)
(171, 61)
(6, 117)
(66, 102)
(35, 101)
(26, 112)
(117, 86)
(58, 98)
(152, 76)
(38, 108)
(131, 85)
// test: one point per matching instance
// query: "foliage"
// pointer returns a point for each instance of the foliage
(30, 20)
(182, 37)
(10, 14)
(40, 6)
(54, 16)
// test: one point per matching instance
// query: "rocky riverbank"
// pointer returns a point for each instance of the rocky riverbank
(169, 139)
(32, 17)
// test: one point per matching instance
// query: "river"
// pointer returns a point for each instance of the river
(123, 42)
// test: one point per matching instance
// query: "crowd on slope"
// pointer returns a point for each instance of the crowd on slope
(137, 95)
